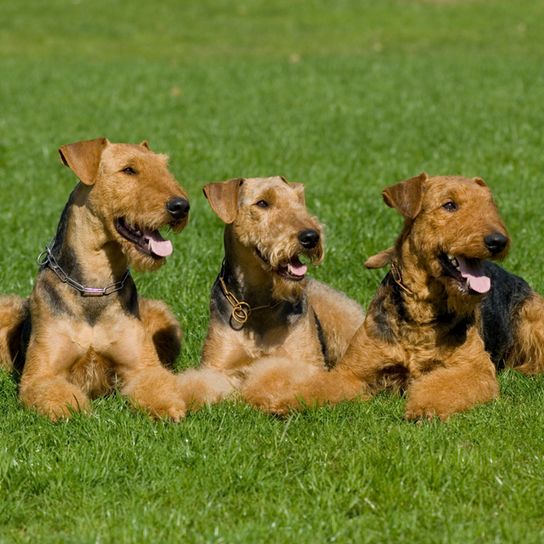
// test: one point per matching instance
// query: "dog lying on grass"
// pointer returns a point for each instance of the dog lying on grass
(265, 312)
(84, 330)
(443, 318)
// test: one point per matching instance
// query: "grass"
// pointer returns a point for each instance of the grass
(347, 97)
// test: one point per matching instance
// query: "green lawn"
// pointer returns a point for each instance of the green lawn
(346, 96)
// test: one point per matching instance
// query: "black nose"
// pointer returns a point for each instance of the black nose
(308, 238)
(495, 242)
(178, 207)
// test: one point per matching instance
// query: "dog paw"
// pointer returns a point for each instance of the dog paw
(269, 401)
(174, 411)
(276, 384)
(422, 412)
(202, 386)
(56, 402)
(58, 412)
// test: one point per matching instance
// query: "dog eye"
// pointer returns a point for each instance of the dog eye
(262, 204)
(450, 206)
(129, 171)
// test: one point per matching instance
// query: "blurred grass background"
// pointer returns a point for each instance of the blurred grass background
(346, 97)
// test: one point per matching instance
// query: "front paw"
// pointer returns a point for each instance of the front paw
(426, 410)
(268, 403)
(56, 400)
(56, 411)
(202, 386)
(173, 410)
(270, 397)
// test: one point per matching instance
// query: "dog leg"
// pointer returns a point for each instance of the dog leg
(204, 386)
(149, 385)
(339, 316)
(528, 353)
(53, 396)
(44, 386)
(455, 388)
(13, 311)
(447, 391)
(155, 390)
(163, 328)
(278, 385)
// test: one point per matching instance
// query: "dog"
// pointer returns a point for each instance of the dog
(84, 330)
(445, 316)
(264, 311)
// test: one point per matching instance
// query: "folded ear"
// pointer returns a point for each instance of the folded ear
(381, 259)
(83, 158)
(406, 196)
(223, 198)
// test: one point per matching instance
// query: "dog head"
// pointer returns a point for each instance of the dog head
(133, 194)
(268, 219)
(452, 224)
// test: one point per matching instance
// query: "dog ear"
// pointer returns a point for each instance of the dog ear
(223, 198)
(83, 158)
(145, 144)
(480, 182)
(381, 259)
(406, 196)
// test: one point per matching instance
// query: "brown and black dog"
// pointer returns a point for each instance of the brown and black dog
(84, 330)
(444, 316)
(265, 311)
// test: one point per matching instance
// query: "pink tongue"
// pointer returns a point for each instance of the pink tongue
(296, 268)
(157, 244)
(473, 273)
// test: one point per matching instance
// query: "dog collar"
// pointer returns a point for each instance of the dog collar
(46, 258)
(397, 277)
(241, 310)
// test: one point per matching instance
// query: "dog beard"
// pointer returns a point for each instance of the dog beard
(459, 302)
(291, 291)
(140, 262)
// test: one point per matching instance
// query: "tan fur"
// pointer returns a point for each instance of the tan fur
(13, 310)
(381, 259)
(82, 346)
(258, 242)
(528, 353)
(164, 328)
(435, 351)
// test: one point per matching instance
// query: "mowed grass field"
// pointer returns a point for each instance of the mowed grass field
(347, 97)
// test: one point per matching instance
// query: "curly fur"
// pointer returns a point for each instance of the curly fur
(75, 347)
(421, 334)
(297, 324)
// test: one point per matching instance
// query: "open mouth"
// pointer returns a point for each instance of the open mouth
(469, 273)
(292, 269)
(147, 241)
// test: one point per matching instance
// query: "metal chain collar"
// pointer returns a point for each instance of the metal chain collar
(46, 258)
(241, 310)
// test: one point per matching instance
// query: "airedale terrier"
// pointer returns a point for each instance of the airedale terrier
(83, 329)
(265, 312)
(442, 316)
